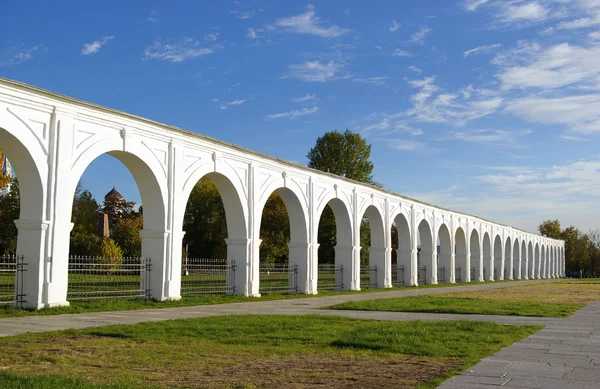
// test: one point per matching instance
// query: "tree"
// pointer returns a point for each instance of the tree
(274, 231)
(345, 154)
(110, 255)
(4, 178)
(9, 212)
(205, 222)
(348, 155)
(551, 229)
(127, 236)
(116, 207)
(85, 215)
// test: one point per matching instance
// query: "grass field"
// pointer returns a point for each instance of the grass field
(252, 351)
(557, 299)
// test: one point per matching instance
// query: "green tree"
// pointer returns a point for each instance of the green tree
(85, 215)
(84, 244)
(110, 255)
(274, 231)
(9, 212)
(346, 154)
(127, 235)
(205, 222)
(116, 207)
(551, 229)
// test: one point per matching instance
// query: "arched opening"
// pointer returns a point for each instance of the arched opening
(215, 243)
(543, 263)
(536, 262)
(488, 260)
(373, 266)
(426, 257)
(335, 245)
(530, 261)
(496, 264)
(476, 260)
(445, 265)
(405, 272)
(112, 255)
(461, 266)
(516, 261)
(506, 269)
(284, 244)
(22, 215)
(524, 260)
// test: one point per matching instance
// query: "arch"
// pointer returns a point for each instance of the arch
(426, 260)
(524, 260)
(378, 269)
(516, 260)
(507, 268)
(476, 259)
(543, 262)
(461, 270)
(496, 265)
(488, 259)
(406, 270)
(536, 262)
(445, 264)
(345, 251)
(530, 260)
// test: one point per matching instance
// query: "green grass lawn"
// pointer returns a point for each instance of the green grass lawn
(252, 351)
(464, 305)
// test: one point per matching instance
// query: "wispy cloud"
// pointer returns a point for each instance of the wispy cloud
(491, 136)
(419, 36)
(315, 71)
(415, 69)
(395, 26)
(472, 5)
(154, 17)
(306, 98)
(401, 53)
(481, 49)
(231, 103)
(183, 50)
(573, 138)
(18, 53)
(211, 37)
(309, 23)
(381, 80)
(292, 114)
(95, 46)
(404, 145)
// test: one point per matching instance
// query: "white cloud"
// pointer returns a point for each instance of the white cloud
(306, 98)
(237, 102)
(573, 138)
(371, 80)
(18, 53)
(388, 126)
(395, 26)
(419, 36)
(292, 114)
(401, 53)
(472, 5)
(211, 37)
(253, 33)
(315, 71)
(491, 136)
(95, 46)
(404, 145)
(154, 17)
(595, 35)
(481, 49)
(187, 48)
(528, 11)
(308, 23)
(415, 69)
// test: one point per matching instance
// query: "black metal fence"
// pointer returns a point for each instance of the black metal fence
(330, 277)
(398, 276)
(108, 278)
(441, 274)
(458, 274)
(368, 277)
(278, 278)
(207, 276)
(422, 274)
(12, 268)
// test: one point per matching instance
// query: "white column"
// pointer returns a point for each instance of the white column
(378, 258)
(414, 278)
(154, 247)
(238, 253)
(299, 253)
(350, 275)
(30, 245)
(404, 259)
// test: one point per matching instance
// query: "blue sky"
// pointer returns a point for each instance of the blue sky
(484, 106)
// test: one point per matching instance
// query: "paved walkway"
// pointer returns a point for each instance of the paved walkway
(565, 355)
(300, 306)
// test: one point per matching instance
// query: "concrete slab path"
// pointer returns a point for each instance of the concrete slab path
(564, 355)
(299, 306)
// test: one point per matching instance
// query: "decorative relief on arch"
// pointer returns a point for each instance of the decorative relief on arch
(37, 126)
(303, 188)
(241, 173)
(159, 152)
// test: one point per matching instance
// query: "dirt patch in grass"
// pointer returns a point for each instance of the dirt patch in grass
(531, 296)
(565, 286)
(215, 366)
